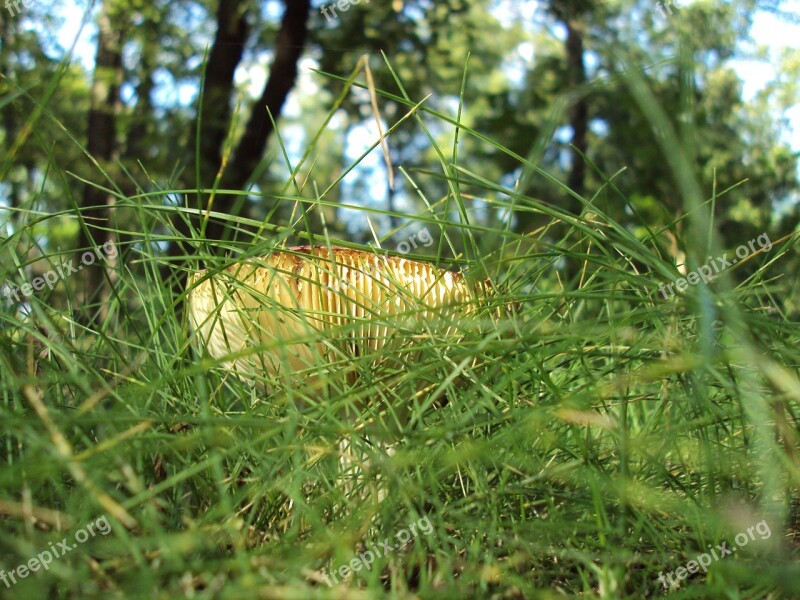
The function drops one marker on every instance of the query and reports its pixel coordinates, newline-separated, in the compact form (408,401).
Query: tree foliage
(169,105)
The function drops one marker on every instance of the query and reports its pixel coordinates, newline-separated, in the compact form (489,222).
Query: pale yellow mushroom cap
(319,309)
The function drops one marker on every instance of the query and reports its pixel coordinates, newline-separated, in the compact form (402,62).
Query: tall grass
(597,437)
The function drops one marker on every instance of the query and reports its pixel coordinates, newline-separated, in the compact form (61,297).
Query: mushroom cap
(316,309)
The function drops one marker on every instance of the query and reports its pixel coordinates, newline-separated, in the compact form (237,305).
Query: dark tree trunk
(225,55)
(283,74)
(96,205)
(211,129)
(215,114)
(574,14)
(8,44)
(250,149)
(215,117)
(136,147)
(579,111)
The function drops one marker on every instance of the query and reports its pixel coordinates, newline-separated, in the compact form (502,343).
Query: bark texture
(579,111)
(225,55)
(96,206)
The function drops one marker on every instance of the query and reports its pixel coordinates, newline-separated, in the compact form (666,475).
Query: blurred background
(120,88)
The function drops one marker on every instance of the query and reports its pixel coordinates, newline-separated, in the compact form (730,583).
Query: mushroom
(314,310)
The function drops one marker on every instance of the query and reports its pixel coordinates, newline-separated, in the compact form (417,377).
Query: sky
(775,34)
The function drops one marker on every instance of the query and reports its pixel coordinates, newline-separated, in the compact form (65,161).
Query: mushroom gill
(314,309)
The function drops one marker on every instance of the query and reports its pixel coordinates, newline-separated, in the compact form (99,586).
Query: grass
(598,437)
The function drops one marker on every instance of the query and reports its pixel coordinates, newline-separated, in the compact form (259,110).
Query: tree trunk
(8,44)
(215,117)
(283,74)
(250,149)
(143,117)
(96,205)
(579,111)
(209,132)
(215,113)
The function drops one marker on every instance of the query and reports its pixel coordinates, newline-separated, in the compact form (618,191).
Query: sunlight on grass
(593,438)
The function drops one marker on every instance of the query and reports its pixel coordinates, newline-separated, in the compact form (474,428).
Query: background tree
(546,83)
